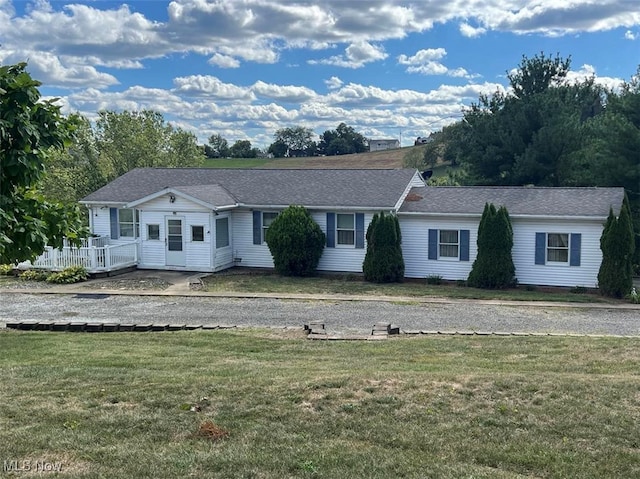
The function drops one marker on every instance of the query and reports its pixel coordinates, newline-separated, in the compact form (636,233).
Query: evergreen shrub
(383,262)
(296,242)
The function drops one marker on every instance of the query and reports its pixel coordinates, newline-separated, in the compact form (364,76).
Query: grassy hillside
(369,160)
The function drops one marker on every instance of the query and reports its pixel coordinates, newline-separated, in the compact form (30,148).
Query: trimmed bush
(296,242)
(34,275)
(6,269)
(383,262)
(615,277)
(73,274)
(493,267)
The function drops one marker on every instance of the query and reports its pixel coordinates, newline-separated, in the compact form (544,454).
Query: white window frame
(149,238)
(135,214)
(228,235)
(549,248)
(352,230)
(441,244)
(192,235)
(265,227)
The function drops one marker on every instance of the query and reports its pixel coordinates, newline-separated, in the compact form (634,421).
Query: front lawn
(349,284)
(119,406)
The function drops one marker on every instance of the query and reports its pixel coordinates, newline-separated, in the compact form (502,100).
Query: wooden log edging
(314,330)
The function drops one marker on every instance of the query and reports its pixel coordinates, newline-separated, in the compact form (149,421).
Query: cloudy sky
(244,68)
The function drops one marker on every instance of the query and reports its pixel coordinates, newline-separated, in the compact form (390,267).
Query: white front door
(175,253)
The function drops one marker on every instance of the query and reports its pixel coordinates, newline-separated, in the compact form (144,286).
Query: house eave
(321,207)
(516,216)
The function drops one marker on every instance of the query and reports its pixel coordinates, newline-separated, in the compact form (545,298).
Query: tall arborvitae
(617,244)
(383,262)
(493,266)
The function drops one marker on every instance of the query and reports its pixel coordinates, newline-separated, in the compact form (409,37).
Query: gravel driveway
(340,317)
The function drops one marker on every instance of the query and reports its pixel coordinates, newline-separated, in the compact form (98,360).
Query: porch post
(107,258)
(92,258)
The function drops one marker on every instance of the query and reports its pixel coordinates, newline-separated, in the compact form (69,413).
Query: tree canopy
(293,141)
(342,141)
(29,128)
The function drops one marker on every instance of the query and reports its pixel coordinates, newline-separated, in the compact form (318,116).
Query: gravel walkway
(340,317)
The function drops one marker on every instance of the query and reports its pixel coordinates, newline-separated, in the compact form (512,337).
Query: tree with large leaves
(128,140)
(29,128)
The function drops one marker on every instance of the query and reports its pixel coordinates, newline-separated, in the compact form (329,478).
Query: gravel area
(340,317)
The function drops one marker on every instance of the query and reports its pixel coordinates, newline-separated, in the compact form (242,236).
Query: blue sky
(245,68)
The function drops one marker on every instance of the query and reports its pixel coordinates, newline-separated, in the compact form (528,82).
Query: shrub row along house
(213,219)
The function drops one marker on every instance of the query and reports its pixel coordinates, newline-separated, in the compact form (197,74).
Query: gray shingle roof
(212,194)
(320,188)
(535,201)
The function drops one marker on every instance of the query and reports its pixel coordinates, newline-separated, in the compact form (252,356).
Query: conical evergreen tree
(617,243)
(493,266)
(383,262)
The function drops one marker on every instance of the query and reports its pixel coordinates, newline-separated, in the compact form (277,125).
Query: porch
(95,254)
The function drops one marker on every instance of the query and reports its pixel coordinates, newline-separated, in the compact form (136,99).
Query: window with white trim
(557,247)
(129,223)
(267,219)
(448,244)
(345,229)
(197,233)
(222,232)
(153,232)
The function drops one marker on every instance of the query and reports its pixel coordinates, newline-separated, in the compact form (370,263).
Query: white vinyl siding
(556,273)
(415,246)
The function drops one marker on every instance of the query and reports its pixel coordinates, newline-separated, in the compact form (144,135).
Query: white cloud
(210,86)
(588,71)
(356,56)
(284,93)
(471,32)
(629,35)
(333,83)
(223,61)
(426,62)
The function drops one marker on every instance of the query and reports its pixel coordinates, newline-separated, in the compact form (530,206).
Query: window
(222,232)
(345,229)
(448,244)
(558,248)
(128,223)
(153,232)
(197,233)
(267,219)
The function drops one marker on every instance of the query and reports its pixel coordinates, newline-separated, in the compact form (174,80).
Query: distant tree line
(297,141)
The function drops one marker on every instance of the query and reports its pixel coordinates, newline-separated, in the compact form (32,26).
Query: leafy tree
(530,135)
(298,141)
(217,147)
(296,242)
(341,141)
(73,172)
(242,149)
(615,276)
(383,262)
(493,267)
(129,140)
(29,129)
(414,158)
(278,149)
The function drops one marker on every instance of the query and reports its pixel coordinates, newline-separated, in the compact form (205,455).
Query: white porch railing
(94,258)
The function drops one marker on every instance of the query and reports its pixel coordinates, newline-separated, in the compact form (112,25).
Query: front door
(175,253)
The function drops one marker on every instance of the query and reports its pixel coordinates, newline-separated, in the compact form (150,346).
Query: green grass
(116,405)
(235,162)
(259,282)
